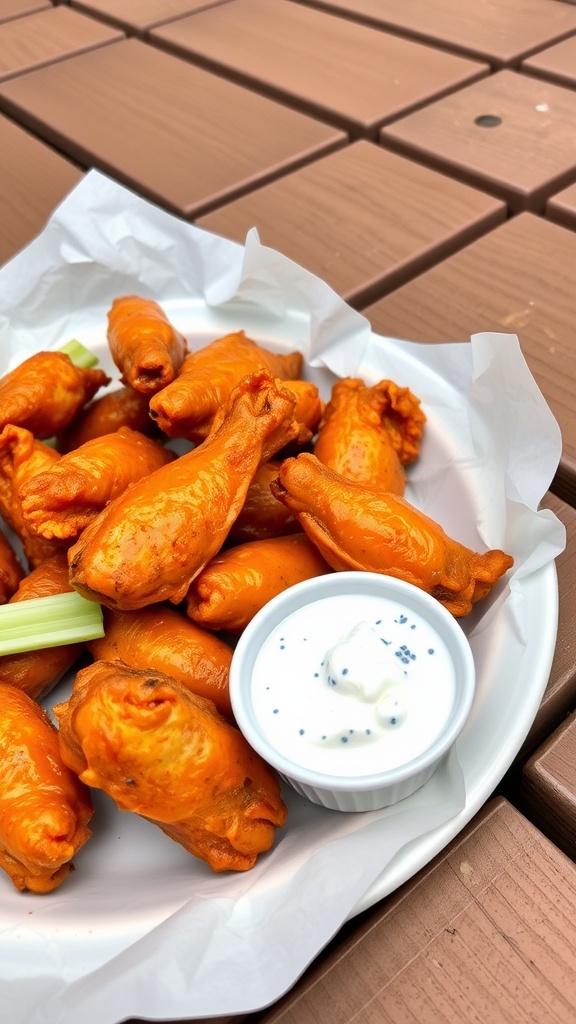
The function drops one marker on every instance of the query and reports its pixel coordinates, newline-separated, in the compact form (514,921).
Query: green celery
(49,622)
(79,354)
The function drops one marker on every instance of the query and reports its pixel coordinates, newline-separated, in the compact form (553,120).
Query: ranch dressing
(353,685)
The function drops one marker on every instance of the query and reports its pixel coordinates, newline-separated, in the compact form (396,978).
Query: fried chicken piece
(150,543)
(22,457)
(11,571)
(357,527)
(60,502)
(187,407)
(368,433)
(144,345)
(262,515)
(161,639)
(36,672)
(238,582)
(46,391)
(123,407)
(166,754)
(44,808)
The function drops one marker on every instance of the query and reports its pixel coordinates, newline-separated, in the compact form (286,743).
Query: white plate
(129,877)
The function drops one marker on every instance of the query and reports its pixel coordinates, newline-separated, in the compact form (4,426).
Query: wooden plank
(510,134)
(397,219)
(138,114)
(487,932)
(39,39)
(352,75)
(33,180)
(502,36)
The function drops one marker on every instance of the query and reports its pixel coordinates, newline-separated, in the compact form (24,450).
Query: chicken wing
(44,808)
(36,672)
(166,754)
(186,408)
(11,571)
(357,527)
(368,433)
(144,345)
(22,457)
(239,581)
(161,639)
(123,407)
(46,391)
(262,515)
(60,502)
(150,543)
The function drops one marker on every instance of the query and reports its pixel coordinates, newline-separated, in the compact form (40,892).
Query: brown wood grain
(140,15)
(516,279)
(555,62)
(363,219)
(562,207)
(175,133)
(487,932)
(549,786)
(47,36)
(33,180)
(304,56)
(502,35)
(525,158)
(17,8)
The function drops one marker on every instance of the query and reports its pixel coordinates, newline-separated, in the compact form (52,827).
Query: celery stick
(48,622)
(79,354)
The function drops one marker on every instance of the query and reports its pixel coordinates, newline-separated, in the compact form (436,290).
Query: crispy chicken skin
(46,391)
(262,515)
(123,407)
(150,543)
(44,808)
(22,457)
(368,433)
(239,581)
(162,639)
(187,407)
(60,502)
(36,672)
(166,754)
(144,345)
(11,571)
(357,527)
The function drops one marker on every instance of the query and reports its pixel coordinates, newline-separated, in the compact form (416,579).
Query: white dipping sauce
(353,685)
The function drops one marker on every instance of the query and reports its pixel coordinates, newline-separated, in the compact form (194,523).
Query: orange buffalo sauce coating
(358,527)
(368,433)
(46,391)
(239,581)
(262,515)
(123,407)
(150,543)
(144,345)
(60,502)
(187,407)
(22,457)
(166,754)
(44,808)
(163,639)
(11,571)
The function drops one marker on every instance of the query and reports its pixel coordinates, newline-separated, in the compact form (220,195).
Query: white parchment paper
(144,930)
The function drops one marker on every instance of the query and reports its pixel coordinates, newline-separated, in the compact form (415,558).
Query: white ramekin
(380,788)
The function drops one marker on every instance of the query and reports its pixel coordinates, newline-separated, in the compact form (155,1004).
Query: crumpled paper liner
(236,943)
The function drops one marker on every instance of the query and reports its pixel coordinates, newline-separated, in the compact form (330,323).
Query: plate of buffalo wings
(200,464)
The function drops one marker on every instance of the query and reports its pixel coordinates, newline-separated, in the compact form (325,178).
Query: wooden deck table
(345,134)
